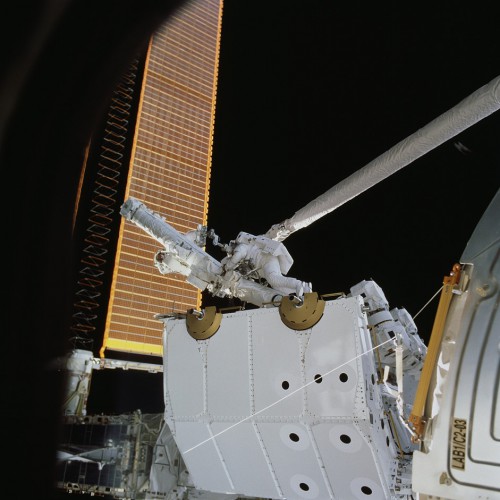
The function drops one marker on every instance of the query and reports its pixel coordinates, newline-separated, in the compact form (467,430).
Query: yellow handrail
(417,417)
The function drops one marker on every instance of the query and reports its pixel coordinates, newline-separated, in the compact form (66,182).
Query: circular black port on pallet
(345,438)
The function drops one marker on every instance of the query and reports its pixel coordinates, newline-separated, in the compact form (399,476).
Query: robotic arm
(180,254)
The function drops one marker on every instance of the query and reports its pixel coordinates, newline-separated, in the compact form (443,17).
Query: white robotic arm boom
(475,107)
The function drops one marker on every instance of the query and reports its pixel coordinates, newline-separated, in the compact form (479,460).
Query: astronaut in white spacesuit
(265,259)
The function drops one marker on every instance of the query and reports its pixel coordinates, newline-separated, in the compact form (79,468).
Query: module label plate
(458,443)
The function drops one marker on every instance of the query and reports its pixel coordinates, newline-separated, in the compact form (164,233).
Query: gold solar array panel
(169,172)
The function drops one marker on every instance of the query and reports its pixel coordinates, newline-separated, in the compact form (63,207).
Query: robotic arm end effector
(129,208)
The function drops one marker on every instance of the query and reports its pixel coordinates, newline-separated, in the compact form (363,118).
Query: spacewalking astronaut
(265,259)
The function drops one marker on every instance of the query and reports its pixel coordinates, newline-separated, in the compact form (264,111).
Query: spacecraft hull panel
(294,409)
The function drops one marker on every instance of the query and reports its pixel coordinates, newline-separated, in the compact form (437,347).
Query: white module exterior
(251,416)
(460,456)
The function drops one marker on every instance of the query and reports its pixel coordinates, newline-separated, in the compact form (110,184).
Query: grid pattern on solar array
(170,173)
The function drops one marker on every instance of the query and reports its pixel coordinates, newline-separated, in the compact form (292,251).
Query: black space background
(308,93)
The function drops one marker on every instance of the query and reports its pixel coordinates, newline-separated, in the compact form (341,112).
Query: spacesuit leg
(272,273)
